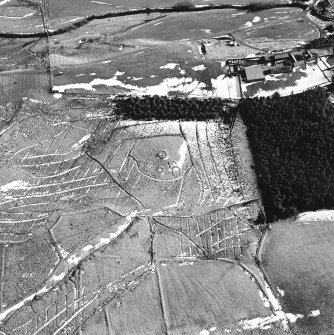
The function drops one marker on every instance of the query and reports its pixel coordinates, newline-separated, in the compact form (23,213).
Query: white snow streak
(14,185)
(199,67)
(314,313)
(81,141)
(170,66)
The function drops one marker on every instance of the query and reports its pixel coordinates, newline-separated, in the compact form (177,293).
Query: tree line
(175,108)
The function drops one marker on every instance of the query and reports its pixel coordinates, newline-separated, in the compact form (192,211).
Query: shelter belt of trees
(165,108)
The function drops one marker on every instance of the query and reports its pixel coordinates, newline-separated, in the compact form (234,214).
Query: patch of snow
(81,141)
(92,74)
(182,153)
(14,185)
(103,241)
(170,66)
(74,259)
(190,51)
(322,215)
(204,332)
(87,248)
(135,79)
(80,75)
(263,323)
(76,19)
(186,263)
(186,85)
(237,14)
(59,277)
(212,329)
(102,3)
(248,24)
(199,67)
(118,73)
(314,77)
(266,302)
(57,95)
(36,101)
(183,72)
(17,17)
(156,24)
(226,87)
(314,313)
(294,317)
(4,2)
(281,292)
(106,62)
(62,251)
(152,76)
(256,19)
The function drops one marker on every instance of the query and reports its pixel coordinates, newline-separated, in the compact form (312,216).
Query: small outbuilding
(254,73)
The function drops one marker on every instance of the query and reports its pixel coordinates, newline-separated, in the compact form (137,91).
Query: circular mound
(160,169)
(162,154)
(176,171)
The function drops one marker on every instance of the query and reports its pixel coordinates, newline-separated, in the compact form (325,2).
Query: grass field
(20,18)
(297,257)
(96,186)
(202,295)
(160,54)
(15,86)
(64,8)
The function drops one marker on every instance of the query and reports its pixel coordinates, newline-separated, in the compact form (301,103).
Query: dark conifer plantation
(292,141)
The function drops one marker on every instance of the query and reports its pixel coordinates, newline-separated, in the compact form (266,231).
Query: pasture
(15,86)
(71,8)
(297,258)
(161,54)
(20,18)
(207,295)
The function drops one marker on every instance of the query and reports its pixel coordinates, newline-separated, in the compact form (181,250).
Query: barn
(254,73)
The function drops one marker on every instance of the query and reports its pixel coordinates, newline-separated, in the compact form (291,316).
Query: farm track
(84,21)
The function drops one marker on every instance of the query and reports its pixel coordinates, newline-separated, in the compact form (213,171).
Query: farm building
(254,73)
(297,59)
